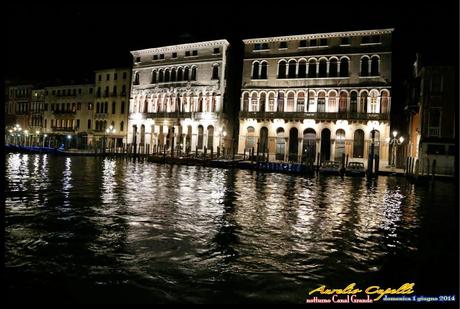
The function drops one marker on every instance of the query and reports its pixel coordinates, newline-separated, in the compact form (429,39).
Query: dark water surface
(103,230)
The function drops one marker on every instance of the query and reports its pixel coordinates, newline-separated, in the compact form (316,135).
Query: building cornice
(318,36)
(179,47)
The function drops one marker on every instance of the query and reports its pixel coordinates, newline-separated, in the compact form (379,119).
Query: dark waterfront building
(431,118)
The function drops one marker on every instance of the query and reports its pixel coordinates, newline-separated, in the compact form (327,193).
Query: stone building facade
(178,98)
(305,97)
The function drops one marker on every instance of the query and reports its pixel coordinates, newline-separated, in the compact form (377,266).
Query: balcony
(64,113)
(165,115)
(434,131)
(64,129)
(316,116)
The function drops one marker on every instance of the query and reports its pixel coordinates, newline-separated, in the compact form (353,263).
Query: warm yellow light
(395,133)
(401,139)
(388,139)
(37,132)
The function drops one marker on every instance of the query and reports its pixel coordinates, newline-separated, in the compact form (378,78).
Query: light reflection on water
(178,233)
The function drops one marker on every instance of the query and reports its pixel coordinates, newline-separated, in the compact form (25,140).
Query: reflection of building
(111,100)
(305,95)
(178,97)
(430,108)
(68,111)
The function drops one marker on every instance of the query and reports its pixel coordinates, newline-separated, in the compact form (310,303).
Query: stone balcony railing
(315,115)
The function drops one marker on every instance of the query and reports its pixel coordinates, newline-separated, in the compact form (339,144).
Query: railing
(64,129)
(314,115)
(169,115)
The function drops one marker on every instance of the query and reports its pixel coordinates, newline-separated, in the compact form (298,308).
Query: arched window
(136,78)
(250,138)
(358,144)
(154,77)
(384,103)
(186,74)
(301,102)
(200,104)
(282,69)
(353,102)
(321,102)
(160,76)
(333,67)
(255,70)
(311,101)
(343,102)
(122,126)
(309,145)
(312,68)
(363,103)
(375,66)
(290,102)
(200,137)
(271,102)
(325,149)
(322,68)
(364,66)
(293,144)
(292,69)
(339,144)
(302,69)
(263,71)
(280,102)
(280,144)
(262,102)
(376,142)
(173,74)
(344,67)
(373,102)
(193,73)
(215,71)
(213,103)
(180,74)
(263,140)
(332,101)
(246,102)
(254,102)
(167,76)
(210,137)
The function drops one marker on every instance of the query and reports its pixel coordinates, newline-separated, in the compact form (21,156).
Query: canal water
(85,229)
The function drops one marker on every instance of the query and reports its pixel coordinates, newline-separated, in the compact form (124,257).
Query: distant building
(36,110)
(111,104)
(18,106)
(304,95)
(68,111)
(178,98)
(430,111)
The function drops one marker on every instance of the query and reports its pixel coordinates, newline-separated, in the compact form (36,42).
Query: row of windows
(176,75)
(188,53)
(114,92)
(101,125)
(312,102)
(67,92)
(373,39)
(107,76)
(103,108)
(173,103)
(332,67)
(309,142)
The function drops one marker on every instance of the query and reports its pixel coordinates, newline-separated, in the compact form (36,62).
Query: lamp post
(44,138)
(17,129)
(224,134)
(38,137)
(26,137)
(11,135)
(394,142)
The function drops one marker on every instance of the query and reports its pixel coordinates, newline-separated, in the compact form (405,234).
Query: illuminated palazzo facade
(178,98)
(316,95)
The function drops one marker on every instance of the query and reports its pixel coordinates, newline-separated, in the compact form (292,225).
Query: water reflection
(178,233)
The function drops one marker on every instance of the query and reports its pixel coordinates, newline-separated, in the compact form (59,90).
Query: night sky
(46,43)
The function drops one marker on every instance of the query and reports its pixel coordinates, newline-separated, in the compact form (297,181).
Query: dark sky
(69,42)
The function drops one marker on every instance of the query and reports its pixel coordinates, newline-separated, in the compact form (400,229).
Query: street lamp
(394,142)
(17,128)
(26,137)
(108,131)
(44,138)
(38,137)
(69,137)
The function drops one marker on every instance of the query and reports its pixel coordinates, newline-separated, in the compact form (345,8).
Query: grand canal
(103,230)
